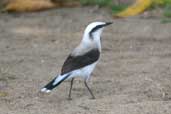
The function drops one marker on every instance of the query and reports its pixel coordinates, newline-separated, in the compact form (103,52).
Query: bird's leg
(69,96)
(85,82)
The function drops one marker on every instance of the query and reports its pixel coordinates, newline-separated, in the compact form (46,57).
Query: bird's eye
(94,30)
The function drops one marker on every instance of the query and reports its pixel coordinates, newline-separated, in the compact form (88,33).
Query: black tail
(52,84)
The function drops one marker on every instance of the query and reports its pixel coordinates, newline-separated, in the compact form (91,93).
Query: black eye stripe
(95,29)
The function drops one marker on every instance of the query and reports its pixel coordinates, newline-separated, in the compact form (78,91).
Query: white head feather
(91,37)
(96,35)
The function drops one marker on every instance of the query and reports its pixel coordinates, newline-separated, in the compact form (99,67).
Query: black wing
(76,62)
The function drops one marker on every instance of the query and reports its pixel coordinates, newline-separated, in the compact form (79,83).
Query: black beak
(107,23)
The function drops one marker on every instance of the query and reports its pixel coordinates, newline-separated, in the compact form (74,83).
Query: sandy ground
(132,77)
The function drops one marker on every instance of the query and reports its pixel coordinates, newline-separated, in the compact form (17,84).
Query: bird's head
(93,30)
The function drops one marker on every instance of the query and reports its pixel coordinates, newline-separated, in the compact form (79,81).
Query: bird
(82,60)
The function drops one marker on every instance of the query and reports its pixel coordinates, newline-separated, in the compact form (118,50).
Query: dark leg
(69,96)
(93,97)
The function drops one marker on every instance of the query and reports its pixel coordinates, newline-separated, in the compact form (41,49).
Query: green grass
(105,3)
(166,20)
(167,2)
(167,11)
(166,5)
(118,8)
(97,2)
(166,14)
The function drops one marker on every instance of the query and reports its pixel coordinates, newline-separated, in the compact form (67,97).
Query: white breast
(84,72)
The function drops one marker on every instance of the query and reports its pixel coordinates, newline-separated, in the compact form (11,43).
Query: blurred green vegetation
(167,8)
(164,4)
(118,8)
(167,14)
(106,3)
(167,11)
(167,2)
(119,5)
(101,3)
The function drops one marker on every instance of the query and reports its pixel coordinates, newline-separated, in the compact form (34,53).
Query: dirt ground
(132,77)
